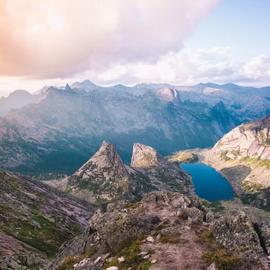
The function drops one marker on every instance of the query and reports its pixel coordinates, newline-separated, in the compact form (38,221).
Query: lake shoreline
(208,183)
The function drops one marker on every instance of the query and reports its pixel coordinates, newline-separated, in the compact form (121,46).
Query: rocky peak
(144,156)
(167,94)
(105,158)
(86,85)
(103,178)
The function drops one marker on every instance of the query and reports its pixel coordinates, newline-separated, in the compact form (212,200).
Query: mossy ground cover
(223,259)
(257,162)
(69,261)
(35,230)
(132,256)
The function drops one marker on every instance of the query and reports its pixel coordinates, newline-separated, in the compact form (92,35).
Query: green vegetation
(252,187)
(217,206)
(185,156)
(267,141)
(38,232)
(207,236)
(171,239)
(236,153)
(223,156)
(247,198)
(214,206)
(257,162)
(69,261)
(222,259)
(132,256)
(35,230)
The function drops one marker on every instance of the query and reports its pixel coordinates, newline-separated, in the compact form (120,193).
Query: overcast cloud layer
(49,39)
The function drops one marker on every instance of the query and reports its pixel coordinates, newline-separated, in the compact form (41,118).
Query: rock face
(105,178)
(165,230)
(164,175)
(144,156)
(105,160)
(168,94)
(35,220)
(250,140)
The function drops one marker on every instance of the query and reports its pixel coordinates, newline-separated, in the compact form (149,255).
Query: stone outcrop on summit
(105,178)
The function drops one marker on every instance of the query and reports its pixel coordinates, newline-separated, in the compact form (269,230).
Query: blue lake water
(208,183)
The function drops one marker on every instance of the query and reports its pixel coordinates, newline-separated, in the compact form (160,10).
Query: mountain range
(56,129)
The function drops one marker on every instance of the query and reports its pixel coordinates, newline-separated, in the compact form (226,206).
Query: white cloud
(258,68)
(186,67)
(60,38)
(191,66)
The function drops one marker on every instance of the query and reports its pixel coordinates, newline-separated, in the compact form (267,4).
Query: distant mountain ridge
(67,124)
(16,100)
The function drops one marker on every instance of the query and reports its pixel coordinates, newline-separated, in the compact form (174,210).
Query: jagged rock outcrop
(163,174)
(165,230)
(145,156)
(105,160)
(236,231)
(250,140)
(35,220)
(105,178)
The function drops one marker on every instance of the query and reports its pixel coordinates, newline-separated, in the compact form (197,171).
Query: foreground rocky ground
(165,231)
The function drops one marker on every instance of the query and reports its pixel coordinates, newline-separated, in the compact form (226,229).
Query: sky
(182,42)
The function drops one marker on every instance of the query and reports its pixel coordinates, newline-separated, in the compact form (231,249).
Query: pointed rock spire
(106,159)
(103,178)
(144,156)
